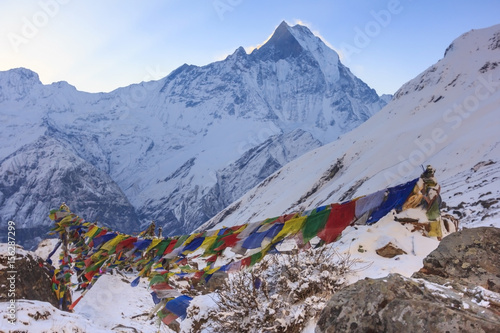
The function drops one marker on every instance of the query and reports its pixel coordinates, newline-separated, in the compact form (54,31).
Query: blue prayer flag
(103,239)
(142,244)
(135,282)
(179,305)
(156,300)
(395,199)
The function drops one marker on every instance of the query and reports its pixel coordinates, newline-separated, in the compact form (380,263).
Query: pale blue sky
(102,45)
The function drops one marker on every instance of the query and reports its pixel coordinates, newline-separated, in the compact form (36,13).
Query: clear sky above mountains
(103,45)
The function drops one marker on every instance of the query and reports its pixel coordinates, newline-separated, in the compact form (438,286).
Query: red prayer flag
(169,318)
(161,286)
(102,233)
(88,262)
(170,246)
(198,275)
(246,262)
(229,241)
(126,243)
(75,303)
(212,258)
(89,275)
(340,217)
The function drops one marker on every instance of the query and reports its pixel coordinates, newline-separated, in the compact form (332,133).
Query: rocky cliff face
(27,277)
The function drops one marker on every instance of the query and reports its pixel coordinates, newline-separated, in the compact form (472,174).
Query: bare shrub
(281,293)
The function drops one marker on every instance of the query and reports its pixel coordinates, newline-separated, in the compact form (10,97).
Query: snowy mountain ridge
(165,143)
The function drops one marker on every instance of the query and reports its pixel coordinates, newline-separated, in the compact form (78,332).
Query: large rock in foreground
(398,304)
(455,291)
(468,257)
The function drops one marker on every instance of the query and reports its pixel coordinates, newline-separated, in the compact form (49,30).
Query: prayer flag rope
(89,251)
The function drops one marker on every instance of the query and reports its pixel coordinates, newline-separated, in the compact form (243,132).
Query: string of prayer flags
(90,251)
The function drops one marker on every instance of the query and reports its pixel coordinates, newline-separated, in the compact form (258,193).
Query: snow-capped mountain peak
(281,45)
(22,75)
(299,41)
(17,83)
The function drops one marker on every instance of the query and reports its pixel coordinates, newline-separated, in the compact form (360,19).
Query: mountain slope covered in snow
(169,145)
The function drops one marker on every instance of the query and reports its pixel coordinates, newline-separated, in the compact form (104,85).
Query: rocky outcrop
(32,276)
(468,257)
(398,304)
(456,291)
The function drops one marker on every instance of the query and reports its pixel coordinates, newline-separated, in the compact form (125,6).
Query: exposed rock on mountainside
(453,300)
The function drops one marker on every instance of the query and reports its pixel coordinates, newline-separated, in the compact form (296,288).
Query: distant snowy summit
(177,150)
(293,78)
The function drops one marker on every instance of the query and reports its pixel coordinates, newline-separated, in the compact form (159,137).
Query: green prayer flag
(315,223)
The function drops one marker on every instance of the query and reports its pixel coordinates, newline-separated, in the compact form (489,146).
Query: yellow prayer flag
(208,241)
(291,227)
(92,232)
(65,220)
(154,242)
(435,229)
(213,270)
(96,256)
(109,245)
(241,229)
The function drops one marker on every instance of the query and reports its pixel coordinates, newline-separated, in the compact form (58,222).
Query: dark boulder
(398,304)
(32,276)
